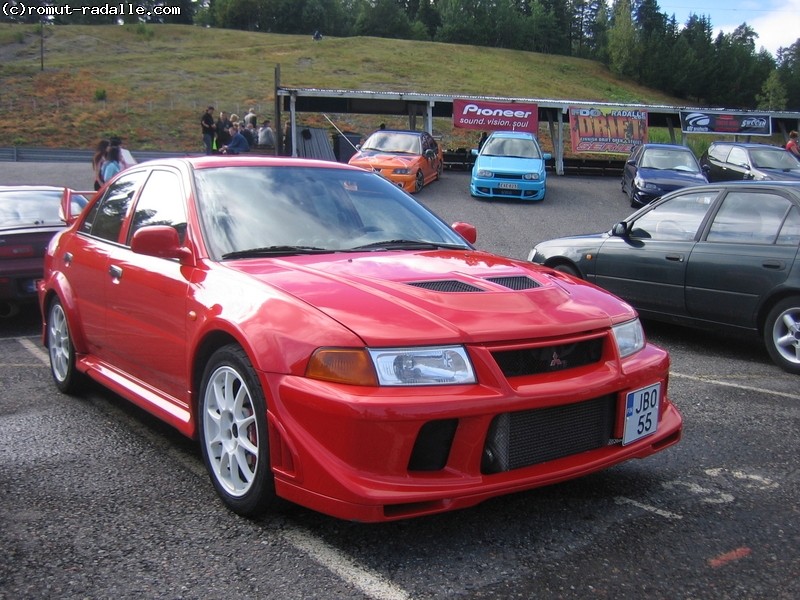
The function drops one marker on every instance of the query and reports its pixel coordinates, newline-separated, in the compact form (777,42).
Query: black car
(733,161)
(653,170)
(718,256)
(29,217)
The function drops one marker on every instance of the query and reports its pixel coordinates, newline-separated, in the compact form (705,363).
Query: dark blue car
(653,170)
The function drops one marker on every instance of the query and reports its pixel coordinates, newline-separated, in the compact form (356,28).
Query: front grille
(525,438)
(546,359)
(515,176)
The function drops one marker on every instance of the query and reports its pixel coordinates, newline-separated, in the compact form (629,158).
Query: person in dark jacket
(238,142)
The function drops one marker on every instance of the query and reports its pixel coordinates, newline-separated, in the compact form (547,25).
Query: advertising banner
(725,123)
(607,130)
(496,116)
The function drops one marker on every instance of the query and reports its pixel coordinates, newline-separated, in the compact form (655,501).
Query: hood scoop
(514,282)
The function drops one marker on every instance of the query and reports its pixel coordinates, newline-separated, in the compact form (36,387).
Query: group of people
(109,159)
(230,135)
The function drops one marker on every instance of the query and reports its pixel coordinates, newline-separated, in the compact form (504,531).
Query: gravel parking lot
(99,500)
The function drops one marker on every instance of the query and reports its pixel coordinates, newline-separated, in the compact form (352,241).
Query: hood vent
(517,282)
(514,282)
(446,286)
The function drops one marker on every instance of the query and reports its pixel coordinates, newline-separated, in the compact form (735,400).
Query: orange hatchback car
(409,159)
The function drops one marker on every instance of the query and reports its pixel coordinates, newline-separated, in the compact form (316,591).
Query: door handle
(674,257)
(115,271)
(778,265)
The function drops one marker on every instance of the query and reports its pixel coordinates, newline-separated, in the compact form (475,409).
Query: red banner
(496,116)
(607,130)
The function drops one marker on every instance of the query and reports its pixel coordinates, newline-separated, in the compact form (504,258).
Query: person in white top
(126,158)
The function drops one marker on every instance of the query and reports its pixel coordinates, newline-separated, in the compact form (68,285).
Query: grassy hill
(150,83)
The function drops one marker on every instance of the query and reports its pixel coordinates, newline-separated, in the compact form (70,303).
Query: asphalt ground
(99,500)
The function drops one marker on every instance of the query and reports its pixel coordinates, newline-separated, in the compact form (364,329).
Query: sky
(777,22)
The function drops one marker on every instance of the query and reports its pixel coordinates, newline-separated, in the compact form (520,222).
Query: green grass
(157,79)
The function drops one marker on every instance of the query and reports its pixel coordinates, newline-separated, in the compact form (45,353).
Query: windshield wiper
(406,245)
(274,250)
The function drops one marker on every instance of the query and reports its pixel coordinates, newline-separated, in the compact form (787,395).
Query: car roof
(665,147)
(30,188)
(793,186)
(747,145)
(513,134)
(406,131)
(243,160)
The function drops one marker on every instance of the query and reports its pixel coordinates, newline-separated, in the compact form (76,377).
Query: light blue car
(510,164)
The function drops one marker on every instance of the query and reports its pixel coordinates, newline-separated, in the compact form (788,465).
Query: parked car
(331,342)
(29,217)
(509,164)
(653,170)
(733,161)
(410,159)
(720,256)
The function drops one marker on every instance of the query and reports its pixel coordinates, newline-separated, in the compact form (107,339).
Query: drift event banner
(496,116)
(607,130)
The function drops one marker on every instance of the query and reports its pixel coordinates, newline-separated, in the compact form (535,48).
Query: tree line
(633,38)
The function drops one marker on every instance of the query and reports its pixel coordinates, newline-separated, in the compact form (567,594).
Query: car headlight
(629,337)
(401,171)
(484,173)
(644,185)
(531,176)
(434,365)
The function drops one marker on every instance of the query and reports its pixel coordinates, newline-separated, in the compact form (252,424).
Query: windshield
(514,147)
(257,211)
(33,207)
(774,159)
(394,142)
(670,160)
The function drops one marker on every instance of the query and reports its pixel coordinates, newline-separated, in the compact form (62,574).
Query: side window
(749,218)
(678,219)
(790,232)
(161,203)
(738,157)
(719,151)
(106,217)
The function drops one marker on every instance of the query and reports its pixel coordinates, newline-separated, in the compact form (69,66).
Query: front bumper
(373,455)
(498,188)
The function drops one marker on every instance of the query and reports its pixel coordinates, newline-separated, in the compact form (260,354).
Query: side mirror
(474,152)
(620,229)
(466,231)
(631,162)
(547,156)
(161,241)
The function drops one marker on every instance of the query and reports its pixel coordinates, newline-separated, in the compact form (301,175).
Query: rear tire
(782,334)
(232,422)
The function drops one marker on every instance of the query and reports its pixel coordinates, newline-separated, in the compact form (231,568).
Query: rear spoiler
(72,203)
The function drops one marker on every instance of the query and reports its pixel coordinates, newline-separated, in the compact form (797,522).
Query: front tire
(62,350)
(568,269)
(782,334)
(232,423)
(419,181)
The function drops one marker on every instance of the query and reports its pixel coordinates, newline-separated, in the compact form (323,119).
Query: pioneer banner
(607,130)
(496,116)
(725,123)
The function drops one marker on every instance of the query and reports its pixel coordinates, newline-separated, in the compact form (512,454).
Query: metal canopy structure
(429,106)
